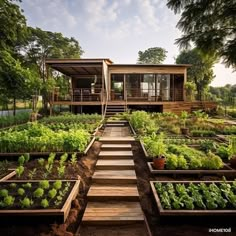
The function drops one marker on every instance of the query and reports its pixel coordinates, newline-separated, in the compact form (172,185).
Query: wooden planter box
(226,170)
(177,213)
(60,214)
(9,175)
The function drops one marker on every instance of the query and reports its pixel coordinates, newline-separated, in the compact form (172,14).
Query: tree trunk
(14,106)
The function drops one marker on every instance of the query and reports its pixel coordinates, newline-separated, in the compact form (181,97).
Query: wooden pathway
(113,197)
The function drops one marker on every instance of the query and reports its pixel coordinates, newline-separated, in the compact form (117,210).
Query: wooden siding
(146,70)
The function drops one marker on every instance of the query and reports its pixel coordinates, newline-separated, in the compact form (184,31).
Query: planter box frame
(190,172)
(164,212)
(62,213)
(9,175)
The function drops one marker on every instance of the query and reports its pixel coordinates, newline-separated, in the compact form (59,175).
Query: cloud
(51,15)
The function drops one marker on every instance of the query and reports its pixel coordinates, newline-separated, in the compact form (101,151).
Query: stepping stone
(113,147)
(109,192)
(119,140)
(115,165)
(115,154)
(112,213)
(114,176)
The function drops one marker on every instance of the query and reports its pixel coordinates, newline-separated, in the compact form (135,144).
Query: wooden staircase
(113,109)
(113,197)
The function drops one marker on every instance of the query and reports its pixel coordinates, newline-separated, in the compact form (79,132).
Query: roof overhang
(151,65)
(78,67)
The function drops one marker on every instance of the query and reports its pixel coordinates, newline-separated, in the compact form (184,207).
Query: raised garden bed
(43,154)
(198,204)
(223,171)
(30,202)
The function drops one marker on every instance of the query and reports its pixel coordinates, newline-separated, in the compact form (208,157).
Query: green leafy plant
(73,159)
(21,160)
(13,185)
(52,193)
(184,116)
(27,185)
(38,193)
(3,192)
(41,162)
(171,162)
(19,171)
(44,203)
(32,173)
(44,184)
(157,148)
(57,184)
(232,146)
(8,201)
(21,191)
(61,171)
(26,202)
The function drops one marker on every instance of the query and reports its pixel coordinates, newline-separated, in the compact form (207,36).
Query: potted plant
(184,117)
(232,151)
(157,150)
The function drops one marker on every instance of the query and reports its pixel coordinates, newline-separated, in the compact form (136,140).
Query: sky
(115,29)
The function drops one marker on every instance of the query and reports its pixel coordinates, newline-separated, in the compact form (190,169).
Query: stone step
(112,213)
(114,177)
(116,147)
(119,140)
(101,192)
(115,165)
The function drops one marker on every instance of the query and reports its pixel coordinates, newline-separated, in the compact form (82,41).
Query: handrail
(105,110)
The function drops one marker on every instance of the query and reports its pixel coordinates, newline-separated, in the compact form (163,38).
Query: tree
(13,29)
(200,72)
(13,34)
(210,24)
(45,44)
(152,56)
(12,77)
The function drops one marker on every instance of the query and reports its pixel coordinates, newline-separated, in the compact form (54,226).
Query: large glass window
(163,86)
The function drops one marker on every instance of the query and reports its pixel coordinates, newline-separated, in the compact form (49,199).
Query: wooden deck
(167,106)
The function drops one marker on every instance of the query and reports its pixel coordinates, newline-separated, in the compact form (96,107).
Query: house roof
(81,60)
(93,66)
(150,65)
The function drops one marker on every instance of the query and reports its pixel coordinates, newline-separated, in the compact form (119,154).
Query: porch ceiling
(77,68)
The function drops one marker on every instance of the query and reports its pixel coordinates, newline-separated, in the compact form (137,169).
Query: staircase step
(112,213)
(115,165)
(115,154)
(115,125)
(101,192)
(114,176)
(113,147)
(118,140)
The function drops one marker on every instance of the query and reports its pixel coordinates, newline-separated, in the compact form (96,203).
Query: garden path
(113,198)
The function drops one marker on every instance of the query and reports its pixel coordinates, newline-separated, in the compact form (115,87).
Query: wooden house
(99,85)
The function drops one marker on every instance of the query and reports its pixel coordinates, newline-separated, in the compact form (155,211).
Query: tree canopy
(210,24)
(201,70)
(154,55)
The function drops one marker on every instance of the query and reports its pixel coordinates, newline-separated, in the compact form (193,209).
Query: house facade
(96,85)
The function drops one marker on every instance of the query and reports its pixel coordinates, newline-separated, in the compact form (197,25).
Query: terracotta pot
(233,162)
(185,131)
(159,163)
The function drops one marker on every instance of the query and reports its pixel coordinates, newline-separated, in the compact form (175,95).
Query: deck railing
(134,94)
(148,95)
(79,95)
